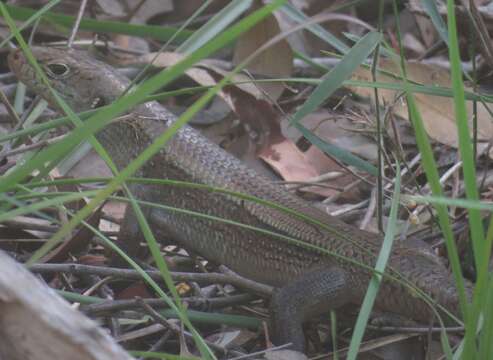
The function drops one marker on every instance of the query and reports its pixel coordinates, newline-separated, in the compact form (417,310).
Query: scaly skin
(310,281)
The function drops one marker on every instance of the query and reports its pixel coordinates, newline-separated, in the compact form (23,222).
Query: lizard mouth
(97,103)
(15,61)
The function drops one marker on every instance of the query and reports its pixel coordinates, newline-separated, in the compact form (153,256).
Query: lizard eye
(57,70)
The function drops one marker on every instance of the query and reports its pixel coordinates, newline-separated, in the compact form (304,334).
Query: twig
(193,302)
(209,278)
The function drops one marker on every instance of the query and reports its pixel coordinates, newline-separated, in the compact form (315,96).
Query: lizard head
(81,81)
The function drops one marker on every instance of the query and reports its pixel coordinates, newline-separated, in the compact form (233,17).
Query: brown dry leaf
(136,289)
(14,239)
(293,165)
(135,12)
(288,161)
(437,112)
(275,62)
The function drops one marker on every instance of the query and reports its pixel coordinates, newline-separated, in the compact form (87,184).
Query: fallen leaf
(136,289)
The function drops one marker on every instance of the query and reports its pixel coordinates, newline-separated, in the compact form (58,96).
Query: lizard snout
(16,62)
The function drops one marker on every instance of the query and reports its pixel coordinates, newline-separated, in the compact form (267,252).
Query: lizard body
(310,281)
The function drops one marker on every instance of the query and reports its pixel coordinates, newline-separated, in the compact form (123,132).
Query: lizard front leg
(311,294)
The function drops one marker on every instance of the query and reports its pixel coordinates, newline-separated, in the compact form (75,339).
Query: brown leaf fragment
(287,160)
(136,289)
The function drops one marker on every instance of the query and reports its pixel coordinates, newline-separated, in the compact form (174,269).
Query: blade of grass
(430,7)
(431,170)
(62,199)
(104,26)
(485,344)
(160,355)
(342,155)
(331,82)
(315,29)
(465,145)
(214,26)
(35,16)
(376,279)
(481,248)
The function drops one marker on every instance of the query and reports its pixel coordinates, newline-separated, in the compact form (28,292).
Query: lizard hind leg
(311,294)
(129,237)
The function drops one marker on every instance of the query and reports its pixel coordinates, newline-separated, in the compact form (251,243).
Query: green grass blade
(465,145)
(35,16)
(315,29)
(374,285)
(330,83)
(337,152)
(485,343)
(342,71)
(104,26)
(431,10)
(481,248)
(31,208)
(214,26)
(431,170)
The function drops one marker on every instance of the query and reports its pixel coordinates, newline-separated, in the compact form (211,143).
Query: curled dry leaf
(437,112)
